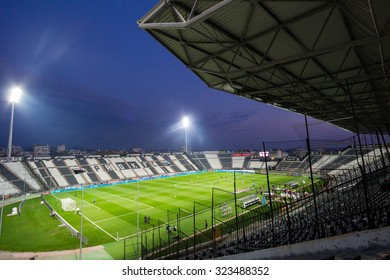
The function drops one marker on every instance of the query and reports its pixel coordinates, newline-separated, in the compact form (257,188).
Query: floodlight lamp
(16,93)
(186,122)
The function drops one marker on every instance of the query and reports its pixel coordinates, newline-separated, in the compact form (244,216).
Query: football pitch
(116,212)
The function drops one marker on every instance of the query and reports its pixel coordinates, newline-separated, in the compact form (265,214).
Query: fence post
(194,220)
(270,199)
(288,222)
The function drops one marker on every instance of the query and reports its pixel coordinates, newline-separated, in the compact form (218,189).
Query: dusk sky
(93,79)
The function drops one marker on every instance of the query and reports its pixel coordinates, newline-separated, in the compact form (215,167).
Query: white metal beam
(145,24)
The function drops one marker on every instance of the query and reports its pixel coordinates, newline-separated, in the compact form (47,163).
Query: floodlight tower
(16,93)
(186,124)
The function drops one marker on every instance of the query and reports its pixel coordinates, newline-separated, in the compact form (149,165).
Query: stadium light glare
(16,93)
(186,124)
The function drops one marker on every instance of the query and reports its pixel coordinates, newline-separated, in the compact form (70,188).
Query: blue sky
(93,79)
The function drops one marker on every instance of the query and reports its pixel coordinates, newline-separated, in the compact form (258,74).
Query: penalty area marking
(99,227)
(84,201)
(80,200)
(131,199)
(126,214)
(184,210)
(88,219)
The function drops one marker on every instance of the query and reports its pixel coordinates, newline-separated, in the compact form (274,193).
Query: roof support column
(380,149)
(317,225)
(385,144)
(362,166)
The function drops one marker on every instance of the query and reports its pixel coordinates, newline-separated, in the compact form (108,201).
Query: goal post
(68,204)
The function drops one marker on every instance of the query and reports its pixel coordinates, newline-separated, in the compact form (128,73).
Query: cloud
(226,119)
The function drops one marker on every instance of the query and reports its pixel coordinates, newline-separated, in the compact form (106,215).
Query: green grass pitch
(110,213)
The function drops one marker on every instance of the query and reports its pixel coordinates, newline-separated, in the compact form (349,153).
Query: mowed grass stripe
(182,189)
(119,203)
(115,209)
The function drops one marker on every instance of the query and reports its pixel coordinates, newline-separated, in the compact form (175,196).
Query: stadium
(316,199)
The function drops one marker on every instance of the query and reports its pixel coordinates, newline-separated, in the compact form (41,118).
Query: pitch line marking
(100,228)
(93,222)
(113,217)
(186,210)
(93,205)
(130,199)
(163,225)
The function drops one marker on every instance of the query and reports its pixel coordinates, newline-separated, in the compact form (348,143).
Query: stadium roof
(329,59)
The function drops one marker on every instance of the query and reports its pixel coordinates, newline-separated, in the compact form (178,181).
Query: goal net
(68,204)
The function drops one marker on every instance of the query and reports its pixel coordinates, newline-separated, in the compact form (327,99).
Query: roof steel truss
(328,59)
